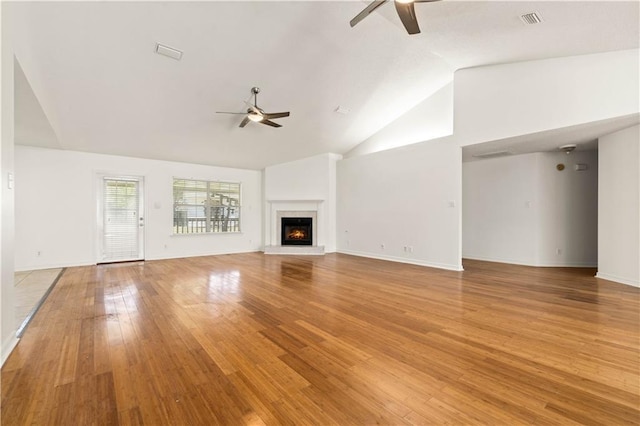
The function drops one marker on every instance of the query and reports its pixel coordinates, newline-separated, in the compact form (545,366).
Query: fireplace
(296,231)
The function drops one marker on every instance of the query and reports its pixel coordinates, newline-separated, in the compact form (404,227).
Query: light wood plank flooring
(31,287)
(334,339)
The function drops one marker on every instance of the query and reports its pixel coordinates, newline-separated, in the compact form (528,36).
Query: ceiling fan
(257,114)
(405,10)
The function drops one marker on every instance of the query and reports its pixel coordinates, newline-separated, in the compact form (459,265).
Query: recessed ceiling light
(531,18)
(170,52)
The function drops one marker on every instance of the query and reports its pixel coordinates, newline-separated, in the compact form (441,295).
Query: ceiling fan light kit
(254,117)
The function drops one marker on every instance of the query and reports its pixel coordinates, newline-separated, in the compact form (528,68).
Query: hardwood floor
(335,339)
(31,288)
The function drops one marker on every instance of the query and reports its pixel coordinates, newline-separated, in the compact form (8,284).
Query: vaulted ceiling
(89,80)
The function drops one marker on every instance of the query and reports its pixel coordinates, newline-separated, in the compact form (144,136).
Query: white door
(120,219)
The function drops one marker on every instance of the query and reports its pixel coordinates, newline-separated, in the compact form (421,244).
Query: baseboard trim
(497,260)
(538,265)
(7,347)
(52,266)
(185,256)
(567,265)
(152,257)
(418,262)
(626,281)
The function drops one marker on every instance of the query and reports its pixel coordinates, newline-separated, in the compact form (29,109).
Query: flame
(297,234)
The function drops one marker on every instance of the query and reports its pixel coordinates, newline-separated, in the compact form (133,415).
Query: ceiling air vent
(531,18)
(493,154)
(170,52)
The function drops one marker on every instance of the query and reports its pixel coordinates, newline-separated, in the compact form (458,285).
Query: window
(201,206)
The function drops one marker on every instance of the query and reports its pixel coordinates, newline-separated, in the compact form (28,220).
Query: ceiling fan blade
(270,115)
(269,123)
(367,10)
(244,122)
(225,112)
(407,14)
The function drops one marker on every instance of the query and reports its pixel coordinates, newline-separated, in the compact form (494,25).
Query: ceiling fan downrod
(255,91)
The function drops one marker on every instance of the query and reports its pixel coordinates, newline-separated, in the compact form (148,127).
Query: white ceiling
(584,136)
(92,73)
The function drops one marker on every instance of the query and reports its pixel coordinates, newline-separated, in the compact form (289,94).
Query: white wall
(8,326)
(496,102)
(500,209)
(619,207)
(293,184)
(56,207)
(430,119)
(404,197)
(522,210)
(568,211)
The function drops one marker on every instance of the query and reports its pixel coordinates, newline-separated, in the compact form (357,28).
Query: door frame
(99,234)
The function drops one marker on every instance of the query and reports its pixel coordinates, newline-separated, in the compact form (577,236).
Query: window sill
(206,233)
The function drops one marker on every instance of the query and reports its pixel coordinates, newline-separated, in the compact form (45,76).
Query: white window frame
(220,216)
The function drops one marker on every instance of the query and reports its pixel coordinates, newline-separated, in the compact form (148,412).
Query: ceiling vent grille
(170,52)
(531,18)
(493,154)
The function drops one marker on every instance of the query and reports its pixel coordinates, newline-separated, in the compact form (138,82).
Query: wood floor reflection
(335,339)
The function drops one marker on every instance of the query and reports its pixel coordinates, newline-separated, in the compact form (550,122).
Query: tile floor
(30,287)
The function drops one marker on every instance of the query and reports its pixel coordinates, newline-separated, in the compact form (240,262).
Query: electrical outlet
(39,253)
(382,246)
(410,249)
(558,251)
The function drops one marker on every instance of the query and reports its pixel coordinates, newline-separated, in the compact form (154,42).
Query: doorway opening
(120,219)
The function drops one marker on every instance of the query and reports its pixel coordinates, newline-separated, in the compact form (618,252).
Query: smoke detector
(567,148)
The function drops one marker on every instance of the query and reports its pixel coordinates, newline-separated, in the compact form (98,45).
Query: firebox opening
(297,231)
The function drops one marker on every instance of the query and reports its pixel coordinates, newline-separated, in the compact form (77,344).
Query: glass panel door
(122,220)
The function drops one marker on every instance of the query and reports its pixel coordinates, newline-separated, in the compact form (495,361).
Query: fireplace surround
(296,209)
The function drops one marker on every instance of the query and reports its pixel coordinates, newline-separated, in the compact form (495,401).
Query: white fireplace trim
(295,208)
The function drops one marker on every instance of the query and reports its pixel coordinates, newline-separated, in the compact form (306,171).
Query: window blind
(121,216)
